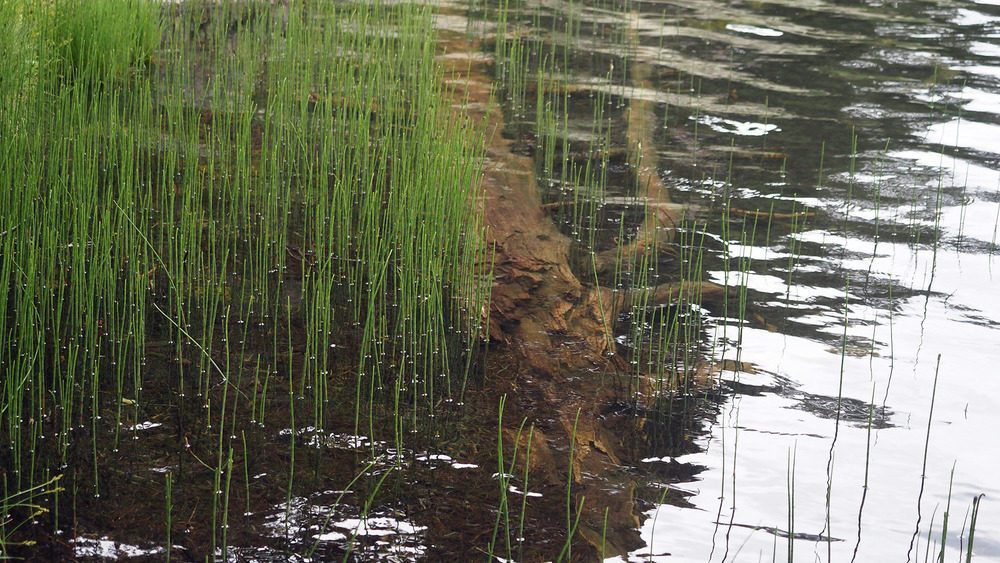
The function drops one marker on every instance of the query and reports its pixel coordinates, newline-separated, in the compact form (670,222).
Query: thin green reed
(292,437)
(503,479)
(166,187)
(976,501)
(947,513)
(747,242)
(923,469)
(169,512)
(513,62)
(836,427)
(29,500)
(571,522)
(868,459)
(791,502)
(225,505)
(524,492)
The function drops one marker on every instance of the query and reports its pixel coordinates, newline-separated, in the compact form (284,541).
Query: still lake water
(867,409)
(866,405)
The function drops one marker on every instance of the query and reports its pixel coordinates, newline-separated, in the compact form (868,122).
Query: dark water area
(841,161)
(838,164)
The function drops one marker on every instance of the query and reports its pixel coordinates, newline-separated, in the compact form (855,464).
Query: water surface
(864,410)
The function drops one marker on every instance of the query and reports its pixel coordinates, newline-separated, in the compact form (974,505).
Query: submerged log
(555,327)
(661,217)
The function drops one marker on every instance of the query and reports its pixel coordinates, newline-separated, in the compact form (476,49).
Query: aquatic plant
(224,240)
(100,40)
(18,508)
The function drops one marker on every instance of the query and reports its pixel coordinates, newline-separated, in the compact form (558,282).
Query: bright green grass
(270,196)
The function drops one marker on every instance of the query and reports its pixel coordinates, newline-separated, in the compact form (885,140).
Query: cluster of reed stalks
(225,218)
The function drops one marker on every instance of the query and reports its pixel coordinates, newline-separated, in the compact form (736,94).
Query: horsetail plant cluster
(213,215)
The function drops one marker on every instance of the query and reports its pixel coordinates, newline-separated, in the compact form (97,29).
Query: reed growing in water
(220,220)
